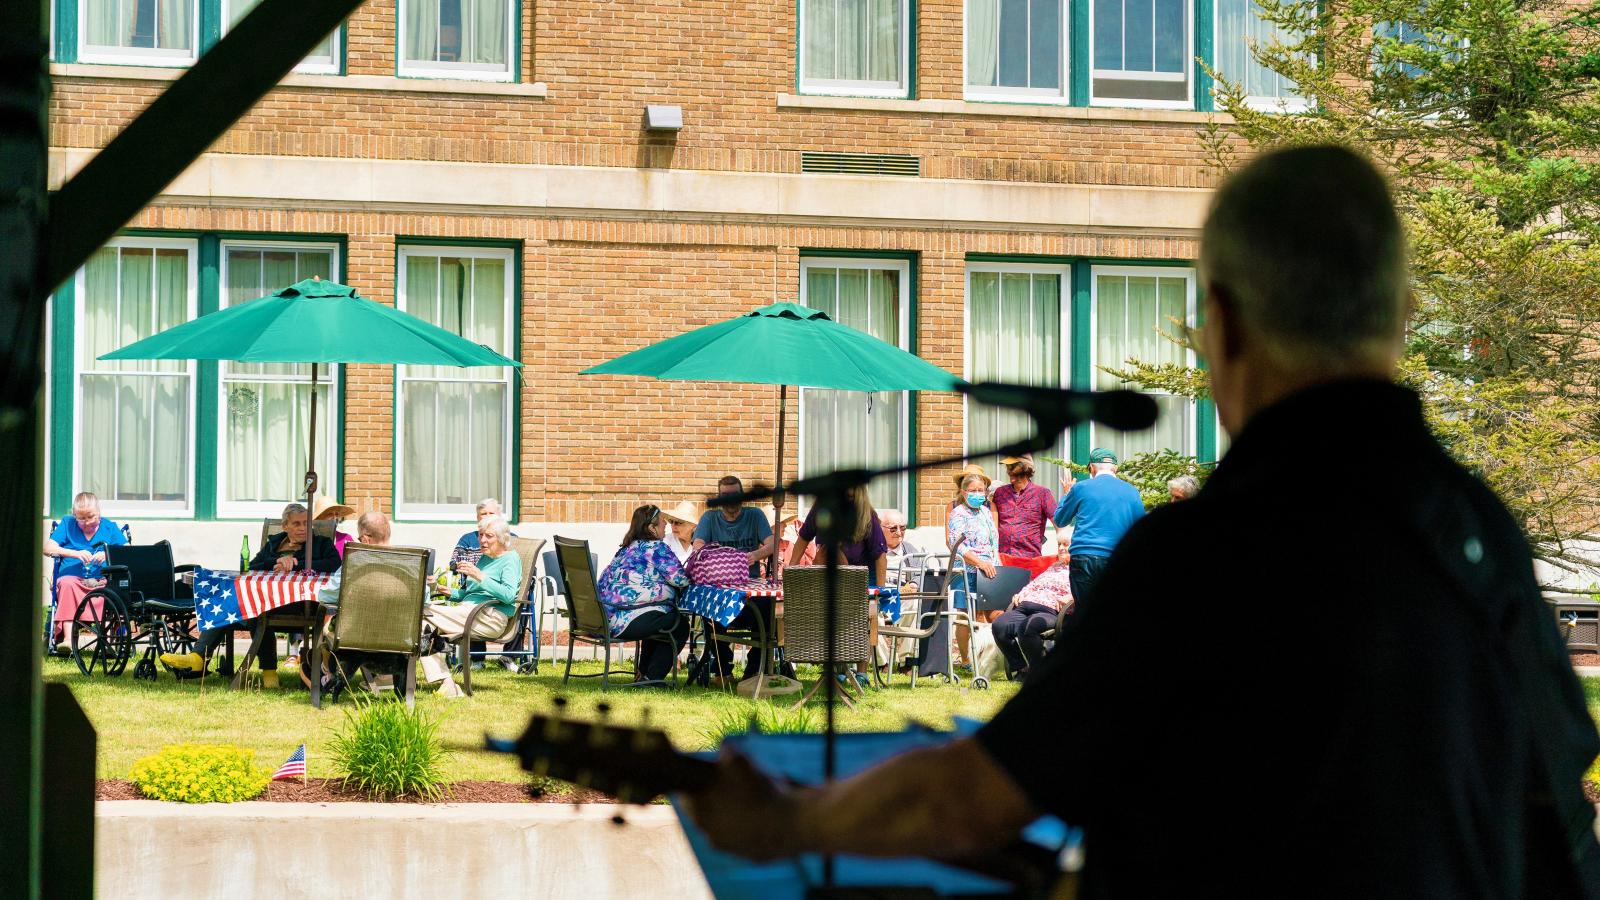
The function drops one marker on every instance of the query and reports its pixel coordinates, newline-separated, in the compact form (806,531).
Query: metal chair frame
(527,549)
(141,603)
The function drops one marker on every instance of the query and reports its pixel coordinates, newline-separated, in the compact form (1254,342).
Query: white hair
(86,500)
(884,515)
(498,525)
(487,502)
(294,509)
(1185,486)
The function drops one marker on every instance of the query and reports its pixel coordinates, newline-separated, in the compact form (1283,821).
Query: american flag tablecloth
(723,605)
(223,598)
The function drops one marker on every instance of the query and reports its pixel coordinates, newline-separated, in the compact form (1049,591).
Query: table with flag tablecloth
(723,604)
(222,599)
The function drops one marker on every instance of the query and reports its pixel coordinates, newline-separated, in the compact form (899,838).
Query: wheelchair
(55,579)
(142,606)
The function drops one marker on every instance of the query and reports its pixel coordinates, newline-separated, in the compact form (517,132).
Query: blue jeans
(963,584)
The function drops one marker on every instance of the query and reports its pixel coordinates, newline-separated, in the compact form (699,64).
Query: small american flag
(293,767)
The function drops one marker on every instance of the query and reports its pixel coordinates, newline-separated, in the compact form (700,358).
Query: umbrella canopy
(313,321)
(783,344)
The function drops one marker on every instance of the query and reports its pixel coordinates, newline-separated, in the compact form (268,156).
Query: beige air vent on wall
(860,163)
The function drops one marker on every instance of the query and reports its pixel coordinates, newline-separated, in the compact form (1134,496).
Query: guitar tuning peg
(644,717)
(618,820)
(559,702)
(603,710)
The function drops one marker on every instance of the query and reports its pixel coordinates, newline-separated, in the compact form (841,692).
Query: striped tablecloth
(223,598)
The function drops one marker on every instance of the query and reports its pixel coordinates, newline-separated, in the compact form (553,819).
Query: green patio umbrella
(783,344)
(313,321)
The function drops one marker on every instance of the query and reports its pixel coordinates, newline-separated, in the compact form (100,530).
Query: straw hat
(789,514)
(685,512)
(973,469)
(325,507)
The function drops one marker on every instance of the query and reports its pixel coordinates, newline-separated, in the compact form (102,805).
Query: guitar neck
(634,765)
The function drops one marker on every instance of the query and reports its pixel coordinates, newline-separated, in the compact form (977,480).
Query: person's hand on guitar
(744,812)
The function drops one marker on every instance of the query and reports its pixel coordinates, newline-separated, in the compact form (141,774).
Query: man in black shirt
(1377,702)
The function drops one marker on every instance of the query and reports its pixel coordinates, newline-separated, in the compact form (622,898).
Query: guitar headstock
(634,764)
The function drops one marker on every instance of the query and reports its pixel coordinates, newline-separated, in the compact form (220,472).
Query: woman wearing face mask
(971,521)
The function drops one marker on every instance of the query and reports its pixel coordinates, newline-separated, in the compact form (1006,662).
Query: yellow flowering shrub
(200,773)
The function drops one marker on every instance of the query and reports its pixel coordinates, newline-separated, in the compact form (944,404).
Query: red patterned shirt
(1022,516)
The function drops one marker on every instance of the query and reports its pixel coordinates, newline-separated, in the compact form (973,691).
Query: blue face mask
(975,499)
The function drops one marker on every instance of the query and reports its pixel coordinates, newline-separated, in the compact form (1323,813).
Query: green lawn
(136,718)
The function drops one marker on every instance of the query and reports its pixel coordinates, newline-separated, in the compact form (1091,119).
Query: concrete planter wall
(288,851)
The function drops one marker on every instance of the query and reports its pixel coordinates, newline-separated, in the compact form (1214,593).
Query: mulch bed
(1585,659)
(1592,791)
(330,790)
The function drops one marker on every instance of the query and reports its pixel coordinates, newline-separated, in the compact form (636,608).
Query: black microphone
(1122,410)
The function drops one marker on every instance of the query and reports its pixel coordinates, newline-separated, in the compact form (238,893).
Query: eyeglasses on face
(894,528)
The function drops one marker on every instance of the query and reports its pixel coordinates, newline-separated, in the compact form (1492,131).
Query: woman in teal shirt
(492,582)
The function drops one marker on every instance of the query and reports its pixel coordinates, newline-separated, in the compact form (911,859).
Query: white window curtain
(140,30)
(858,43)
(457,36)
(133,428)
(266,407)
(1015,48)
(322,58)
(1015,334)
(1142,53)
(850,428)
(1239,28)
(455,440)
(1132,309)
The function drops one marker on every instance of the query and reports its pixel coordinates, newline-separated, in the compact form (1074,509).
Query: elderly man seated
(373,529)
(283,552)
(74,542)
(901,548)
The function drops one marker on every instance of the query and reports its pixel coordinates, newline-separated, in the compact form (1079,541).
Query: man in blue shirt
(1101,510)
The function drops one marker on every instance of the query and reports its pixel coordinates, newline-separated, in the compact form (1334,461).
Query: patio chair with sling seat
(585,614)
(381,593)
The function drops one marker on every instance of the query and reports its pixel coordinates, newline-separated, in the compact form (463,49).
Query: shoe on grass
(269,679)
(188,662)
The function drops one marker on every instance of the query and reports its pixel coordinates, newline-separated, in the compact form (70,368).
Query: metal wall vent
(860,163)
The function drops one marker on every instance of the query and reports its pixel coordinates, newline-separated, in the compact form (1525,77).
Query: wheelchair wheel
(101,641)
(980,683)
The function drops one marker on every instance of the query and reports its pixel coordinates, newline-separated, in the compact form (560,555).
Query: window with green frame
(1017,331)
(850,428)
(181,438)
(1133,311)
(161,32)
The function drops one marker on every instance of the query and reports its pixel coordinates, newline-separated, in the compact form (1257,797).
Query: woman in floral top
(639,591)
(971,521)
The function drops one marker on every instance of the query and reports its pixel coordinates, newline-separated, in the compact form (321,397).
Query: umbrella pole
(311,468)
(777,498)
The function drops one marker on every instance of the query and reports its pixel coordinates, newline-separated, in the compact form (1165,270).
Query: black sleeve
(267,556)
(324,556)
(1090,695)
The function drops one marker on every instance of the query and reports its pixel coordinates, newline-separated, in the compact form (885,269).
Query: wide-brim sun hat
(685,512)
(325,507)
(973,469)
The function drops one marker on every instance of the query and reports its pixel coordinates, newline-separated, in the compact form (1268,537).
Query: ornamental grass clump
(388,751)
(200,773)
(762,718)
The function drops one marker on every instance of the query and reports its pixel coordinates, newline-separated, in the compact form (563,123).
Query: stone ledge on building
(930,107)
(387,83)
(270,182)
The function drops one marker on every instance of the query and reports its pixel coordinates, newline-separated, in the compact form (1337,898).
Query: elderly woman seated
(75,542)
(283,552)
(639,591)
(492,581)
(1035,610)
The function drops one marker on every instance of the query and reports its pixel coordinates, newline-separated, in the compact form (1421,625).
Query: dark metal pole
(24,157)
(187,118)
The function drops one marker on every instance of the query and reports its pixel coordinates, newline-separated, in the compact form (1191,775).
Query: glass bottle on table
(244,555)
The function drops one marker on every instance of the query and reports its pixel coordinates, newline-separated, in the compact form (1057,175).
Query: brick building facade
(1023,220)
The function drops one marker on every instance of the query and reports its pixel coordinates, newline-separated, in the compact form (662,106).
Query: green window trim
(61,386)
(510,504)
(908,93)
(67,28)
